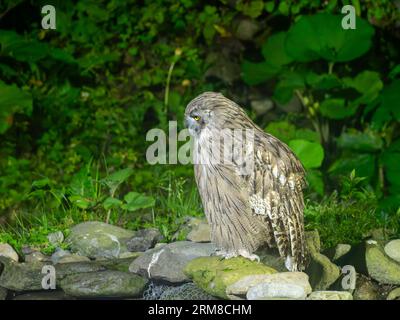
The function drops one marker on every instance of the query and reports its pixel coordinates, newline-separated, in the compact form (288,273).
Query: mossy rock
(214,274)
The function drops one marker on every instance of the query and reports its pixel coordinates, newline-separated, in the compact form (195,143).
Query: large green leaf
(311,154)
(274,51)
(116,178)
(321,36)
(315,181)
(12,100)
(336,109)
(368,83)
(256,73)
(135,201)
(363,164)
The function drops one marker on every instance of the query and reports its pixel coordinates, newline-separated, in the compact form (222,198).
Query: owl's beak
(192,125)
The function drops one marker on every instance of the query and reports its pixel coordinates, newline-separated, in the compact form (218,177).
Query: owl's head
(213,111)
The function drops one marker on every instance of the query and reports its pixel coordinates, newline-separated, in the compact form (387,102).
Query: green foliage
(76,103)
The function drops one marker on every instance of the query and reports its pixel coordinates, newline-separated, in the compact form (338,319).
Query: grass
(343,217)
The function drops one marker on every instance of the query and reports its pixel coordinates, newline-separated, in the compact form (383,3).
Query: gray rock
(7,251)
(167,263)
(28,276)
(187,291)
(380,267)
(322,272)
(392,249)
(44,295)
(261,106)
(144,239)
(365,289)
(3,293)
(394,294)
(330,295)
(246,29)
(241,287)
(73,258)
(224,69)
(56,238)
(200,233)
(340,250)
(59,254)
(103,284)
(293,106)
(36,256)
(98,240)
(276,290)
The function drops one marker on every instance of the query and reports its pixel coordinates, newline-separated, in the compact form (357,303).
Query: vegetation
(76,103)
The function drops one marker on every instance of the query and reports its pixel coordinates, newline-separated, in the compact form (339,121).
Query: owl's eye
(197,118)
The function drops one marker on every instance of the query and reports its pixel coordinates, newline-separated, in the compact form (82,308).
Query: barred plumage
(246,210)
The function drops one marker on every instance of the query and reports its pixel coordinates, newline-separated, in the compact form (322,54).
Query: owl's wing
(276,197)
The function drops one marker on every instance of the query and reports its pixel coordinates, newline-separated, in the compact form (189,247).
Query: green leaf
(368,83)
(274,51)
(135,201)
(81,202)
(391,162)
(40,184)
(250,8)
(364,164)
(256,73)
(284,89)
(336,109)
(323,81)
(368,141)
(282,130)
(111,202)
(321,36)
(12,100)
(116,178)
(311,154)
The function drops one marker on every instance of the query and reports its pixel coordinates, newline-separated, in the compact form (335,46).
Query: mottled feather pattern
(264,207)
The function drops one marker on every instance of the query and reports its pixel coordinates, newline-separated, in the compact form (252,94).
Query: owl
(250,183)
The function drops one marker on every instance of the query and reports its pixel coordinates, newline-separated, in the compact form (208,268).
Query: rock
(7,251)
(272,259)
(214,275)
(167,262)
(44,295)
(276,291)
(394,294)
(330,295)
(261,106)
(224,69)
(340,250)
(103,284)
(59,254)
(392,249)
(144,239)
(246,29)
(73,258)
(98,240)
(36,256)
(28,276)
(129,255)
(56,238)
(200,233)
(187,291)
(322,272)
(241,287)
(380,267)
(294,105)
(365,289)
(3,293)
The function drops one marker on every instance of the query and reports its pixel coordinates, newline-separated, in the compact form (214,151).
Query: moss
(214,274)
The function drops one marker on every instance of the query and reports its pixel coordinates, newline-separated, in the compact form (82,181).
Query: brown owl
(250,182)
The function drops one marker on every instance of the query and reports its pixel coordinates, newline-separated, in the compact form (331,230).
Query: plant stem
(330,67)
(166,97)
